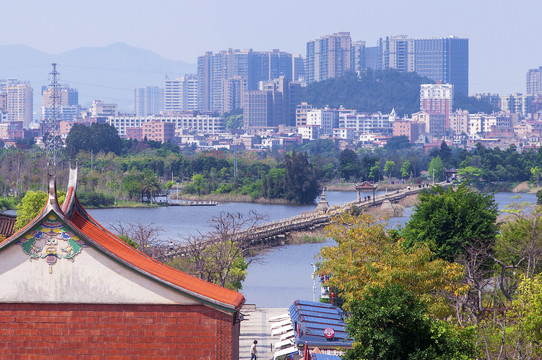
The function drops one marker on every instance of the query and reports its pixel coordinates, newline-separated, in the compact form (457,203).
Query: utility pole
(235,163)
(313,282)
(52,122)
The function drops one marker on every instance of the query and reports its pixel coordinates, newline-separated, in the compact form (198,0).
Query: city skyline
(502,39)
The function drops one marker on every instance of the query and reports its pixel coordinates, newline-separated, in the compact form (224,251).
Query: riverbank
(229,198)
(127,205)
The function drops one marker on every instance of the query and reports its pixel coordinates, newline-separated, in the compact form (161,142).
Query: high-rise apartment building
(396,52)
(68,103)
(363,56)
(298,68)
(272,105)
(328,57)
(66,95)
(250,66)
(232,93)
(257,108)
(181,94)
(19,101)
(516,103)
(149,100)
(439,59)
(534,81)
(445,60)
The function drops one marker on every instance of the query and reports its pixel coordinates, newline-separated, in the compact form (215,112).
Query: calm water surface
(282,274)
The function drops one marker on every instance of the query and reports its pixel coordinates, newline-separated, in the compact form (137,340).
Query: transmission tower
(53,141)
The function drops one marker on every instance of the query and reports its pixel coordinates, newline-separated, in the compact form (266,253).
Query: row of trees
(453,284)
(135,170)
(486,167)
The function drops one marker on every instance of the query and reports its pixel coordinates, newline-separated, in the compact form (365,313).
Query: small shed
(72,290)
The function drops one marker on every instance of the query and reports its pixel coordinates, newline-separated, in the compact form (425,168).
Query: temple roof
(7,222)
(79,222)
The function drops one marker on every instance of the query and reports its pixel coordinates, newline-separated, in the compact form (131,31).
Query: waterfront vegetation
(454,283)
(139,171)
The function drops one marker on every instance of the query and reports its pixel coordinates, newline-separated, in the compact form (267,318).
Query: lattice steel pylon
(53,141)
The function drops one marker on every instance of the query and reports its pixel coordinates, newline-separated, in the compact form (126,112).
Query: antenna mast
(52,142)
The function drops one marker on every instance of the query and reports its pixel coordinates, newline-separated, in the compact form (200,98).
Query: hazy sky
(505,36)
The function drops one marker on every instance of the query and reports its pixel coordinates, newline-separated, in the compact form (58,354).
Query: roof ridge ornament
(72,180)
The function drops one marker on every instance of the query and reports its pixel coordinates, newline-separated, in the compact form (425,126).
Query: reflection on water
(282,274)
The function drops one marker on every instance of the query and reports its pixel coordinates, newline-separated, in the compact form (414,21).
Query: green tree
(132,185)
(390,324)
(150,184)
(94,138)
(31,205)
(300,182)
(198,182)
(397,143)
(436,169)
(529,305)
(470,172)
(366,254)
(449,219)
(348,164)
(536,172)
(389,166)
(405,169)
(374,172)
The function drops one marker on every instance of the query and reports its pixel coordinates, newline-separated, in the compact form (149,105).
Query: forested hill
(380,90)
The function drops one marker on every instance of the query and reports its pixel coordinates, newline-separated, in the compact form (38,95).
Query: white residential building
(326,119)
(308,132)
(101,109)
(363,123)
(344,133)
(181,94)
(198,123)
(459,122)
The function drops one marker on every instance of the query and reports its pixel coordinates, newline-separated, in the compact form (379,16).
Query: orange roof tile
(125,252)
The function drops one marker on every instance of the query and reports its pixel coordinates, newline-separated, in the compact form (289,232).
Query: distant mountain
(109,73)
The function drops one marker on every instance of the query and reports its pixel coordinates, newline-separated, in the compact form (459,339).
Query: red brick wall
(80,331)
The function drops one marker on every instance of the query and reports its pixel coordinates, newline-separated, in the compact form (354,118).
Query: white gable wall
(91,278)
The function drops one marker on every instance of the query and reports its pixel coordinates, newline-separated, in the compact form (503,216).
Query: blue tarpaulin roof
(325,357)
(309,320)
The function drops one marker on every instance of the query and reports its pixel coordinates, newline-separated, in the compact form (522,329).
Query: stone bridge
(275,232)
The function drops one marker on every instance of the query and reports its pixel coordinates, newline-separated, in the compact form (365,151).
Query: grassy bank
(306,237)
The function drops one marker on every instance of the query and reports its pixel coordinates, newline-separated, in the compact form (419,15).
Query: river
(282,274)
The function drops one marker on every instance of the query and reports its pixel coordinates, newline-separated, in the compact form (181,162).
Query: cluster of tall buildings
(224,75)
(267,86)
(439,59)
